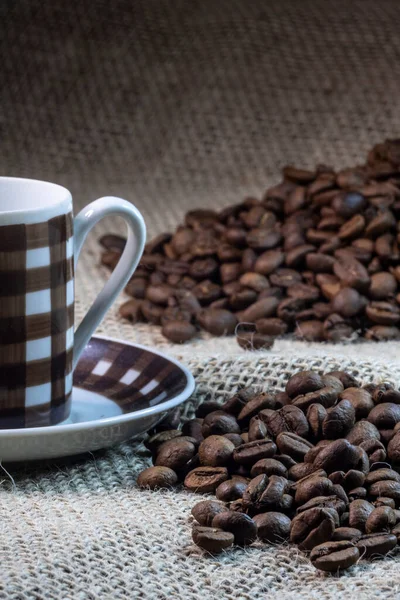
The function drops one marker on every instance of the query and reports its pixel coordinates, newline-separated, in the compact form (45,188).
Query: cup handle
(83,223)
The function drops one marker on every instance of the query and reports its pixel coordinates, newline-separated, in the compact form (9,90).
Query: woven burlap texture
(174,105)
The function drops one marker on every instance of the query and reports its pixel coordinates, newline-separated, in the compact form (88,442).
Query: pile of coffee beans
(318,256)
(317,465)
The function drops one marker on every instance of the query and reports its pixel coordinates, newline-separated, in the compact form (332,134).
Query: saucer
(120,391)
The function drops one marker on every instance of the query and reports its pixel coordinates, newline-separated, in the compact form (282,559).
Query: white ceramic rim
(130,416)
(37,213)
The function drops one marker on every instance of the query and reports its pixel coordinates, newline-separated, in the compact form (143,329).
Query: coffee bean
(240,525)
(212,539)
(313,527)
(250,453)
(254,406)
(346,533)
(215,451)
(235,404)
(269,261)
(230,490)
(362,431)
(205,511)
(385,415)
(383,313)
(376,544)
(157,478)
(348,302)
(326,396)
(272,527)
(337,328)
(359,512)
(288,418)
(339,420)
(293,445)
(176,453)
(179,332)
(325,502)
(219,422)
(360,399)
(303,383)
(310,331)
(272,326)
(338,454)
(268,466)
(312,486)
(261,309)
(334,556)
(217,321)
(381,519)
(204,480)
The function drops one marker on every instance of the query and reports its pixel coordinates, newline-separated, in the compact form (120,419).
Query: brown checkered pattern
(36,322)
(134,378)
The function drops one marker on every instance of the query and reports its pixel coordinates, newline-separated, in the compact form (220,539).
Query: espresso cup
(40,243)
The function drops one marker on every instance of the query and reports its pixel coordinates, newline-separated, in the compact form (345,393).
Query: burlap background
(174,105)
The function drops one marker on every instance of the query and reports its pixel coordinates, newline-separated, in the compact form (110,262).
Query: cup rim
(36,213)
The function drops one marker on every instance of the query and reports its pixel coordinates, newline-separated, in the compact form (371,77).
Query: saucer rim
(118,419)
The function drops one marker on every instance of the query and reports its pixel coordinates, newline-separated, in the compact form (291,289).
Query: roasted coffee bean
(293,445)
(179,332)
(312,486)
(215,451)
(362,431)
(346,533)
(240,525)
(273,527)
(219,422)
(325,502)
(204,480)
(176,453)
(326,396)
(337,328)
(376,544)
(154,442)
(235,404)
(272,326)
(257,429)
(217,321)
(254,491)
(385,392)
(235,438)
(205,511)
(381,519)
(310,331)
(383,313)
(131,310)
(335,555)
(254,406)
(360,399)
(250,453)
(348,302)
(157,478)
(261,309)
(300,470)
(288,418)
(316,414)
(269,261)
(359,512)
(339,420)
(339,454)
(303,383)
(385,415)
(254,341)
(212,539)
(268,466)
(313,527)
(230,490)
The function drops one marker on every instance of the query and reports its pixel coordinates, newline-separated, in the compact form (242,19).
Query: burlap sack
(174,105)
